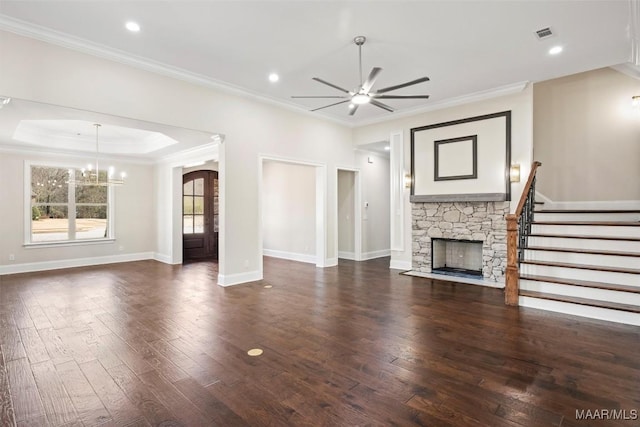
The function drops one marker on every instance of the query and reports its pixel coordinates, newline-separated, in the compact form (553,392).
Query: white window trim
(71,203)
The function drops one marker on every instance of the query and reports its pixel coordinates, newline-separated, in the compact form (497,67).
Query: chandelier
(93,175)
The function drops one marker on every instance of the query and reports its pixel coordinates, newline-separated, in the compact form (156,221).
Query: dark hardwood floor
(145,343)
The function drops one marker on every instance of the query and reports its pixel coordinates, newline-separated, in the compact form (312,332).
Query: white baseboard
(331,262)
(448,278)
(586,205)
(164,258)
(290,256)
(376,254)
(347,255)
(239,278)
(397,264)
(544,199)
(76,262)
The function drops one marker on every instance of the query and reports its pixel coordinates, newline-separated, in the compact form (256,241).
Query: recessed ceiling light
(273,77)
(134,27)
(386,147)
(555,50)
(351,106)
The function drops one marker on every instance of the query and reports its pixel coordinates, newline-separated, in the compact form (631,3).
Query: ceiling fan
(363,94)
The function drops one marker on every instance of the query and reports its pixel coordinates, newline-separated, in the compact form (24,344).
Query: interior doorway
(349,216)
(200,214)
(292,201)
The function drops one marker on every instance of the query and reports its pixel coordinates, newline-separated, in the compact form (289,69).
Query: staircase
(583,262)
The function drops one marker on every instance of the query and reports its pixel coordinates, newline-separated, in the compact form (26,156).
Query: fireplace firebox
(456,257)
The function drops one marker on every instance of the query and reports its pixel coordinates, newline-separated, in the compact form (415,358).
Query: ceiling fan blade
(373,75)
(336,97)
(331,84)
(400,96)
(353,110)
(330,105)
(400,86)
(381,105)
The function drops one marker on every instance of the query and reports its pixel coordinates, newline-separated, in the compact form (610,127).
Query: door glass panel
(188,189)
(187,205)
(198,187)
(187,224)
(198,223)
(215,223)
(198,205)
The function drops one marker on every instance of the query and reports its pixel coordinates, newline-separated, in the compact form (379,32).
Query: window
(60,211)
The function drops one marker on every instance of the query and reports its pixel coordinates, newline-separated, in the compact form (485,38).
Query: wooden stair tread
(569,236)
(583,251)
(583,283)
(587,211)
(591,223)
(583,266)
(582,301)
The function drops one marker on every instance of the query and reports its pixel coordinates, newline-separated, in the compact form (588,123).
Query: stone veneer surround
(484,221)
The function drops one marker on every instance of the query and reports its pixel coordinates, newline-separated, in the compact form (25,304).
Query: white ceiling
(464,47)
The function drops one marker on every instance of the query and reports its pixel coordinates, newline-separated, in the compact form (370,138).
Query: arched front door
(200,215)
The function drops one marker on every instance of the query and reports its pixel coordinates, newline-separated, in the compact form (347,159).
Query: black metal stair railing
(525,221)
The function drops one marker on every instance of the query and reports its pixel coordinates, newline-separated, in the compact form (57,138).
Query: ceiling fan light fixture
(360,98)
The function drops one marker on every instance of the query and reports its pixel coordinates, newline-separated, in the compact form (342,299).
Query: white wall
(346,214)
(375,191)
(134,219)
(207,166)
(521,143)
(288,210)
(587,136)
(38,71)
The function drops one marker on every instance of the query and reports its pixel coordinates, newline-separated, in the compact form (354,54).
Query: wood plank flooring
(146,343)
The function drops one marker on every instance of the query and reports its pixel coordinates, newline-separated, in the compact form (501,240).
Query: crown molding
(628,69)
(451,102)
(58,38)
(202,152)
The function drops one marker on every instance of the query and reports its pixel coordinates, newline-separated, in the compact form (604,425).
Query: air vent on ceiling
(544,33)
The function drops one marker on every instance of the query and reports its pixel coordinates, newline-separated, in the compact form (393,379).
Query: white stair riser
(581,310)
(622,216)
(581,292)
(593,244)
(580,274)
(587,230)
(580,258)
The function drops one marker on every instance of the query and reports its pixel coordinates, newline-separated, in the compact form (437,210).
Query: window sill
(69,243)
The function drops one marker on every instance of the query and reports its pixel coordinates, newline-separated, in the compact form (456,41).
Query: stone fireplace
(480,222)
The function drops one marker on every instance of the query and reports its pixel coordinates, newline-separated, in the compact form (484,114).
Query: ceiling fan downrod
(359,41)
